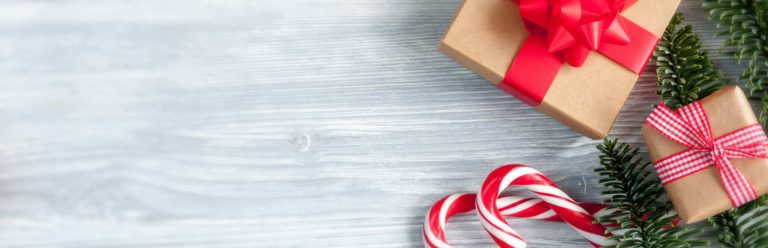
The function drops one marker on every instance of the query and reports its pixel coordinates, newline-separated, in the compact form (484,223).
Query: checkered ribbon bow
(689,126)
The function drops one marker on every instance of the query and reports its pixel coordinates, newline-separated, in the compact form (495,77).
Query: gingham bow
(689,126)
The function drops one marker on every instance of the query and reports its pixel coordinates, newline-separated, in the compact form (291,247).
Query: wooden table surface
(271,123)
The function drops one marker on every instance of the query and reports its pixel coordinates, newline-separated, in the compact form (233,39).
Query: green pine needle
(684,71)
(745,24)
(640,213)
(744,227)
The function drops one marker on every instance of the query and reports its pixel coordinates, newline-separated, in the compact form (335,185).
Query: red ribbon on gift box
(563,31)
(689,126)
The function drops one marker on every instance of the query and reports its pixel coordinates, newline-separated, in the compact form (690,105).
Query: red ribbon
(567,31)
(689,126)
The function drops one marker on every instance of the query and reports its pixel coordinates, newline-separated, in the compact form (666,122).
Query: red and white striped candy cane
(509,206)
(562,205)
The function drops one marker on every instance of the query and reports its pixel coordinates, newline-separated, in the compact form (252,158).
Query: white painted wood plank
(262,124)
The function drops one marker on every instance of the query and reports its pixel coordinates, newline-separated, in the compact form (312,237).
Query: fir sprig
(684,71)
(640,216)
(745,226)
(745,24)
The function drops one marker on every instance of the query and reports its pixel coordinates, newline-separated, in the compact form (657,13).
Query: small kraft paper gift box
(575,60)
(710,155)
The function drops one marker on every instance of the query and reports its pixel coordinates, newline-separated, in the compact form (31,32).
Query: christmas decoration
(517,175)
(509,206)
(712,147)
(638,212)
(541,52)
(552,204)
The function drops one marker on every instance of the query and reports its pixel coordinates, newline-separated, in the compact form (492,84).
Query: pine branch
(746,26)
(745,226)
(684,71)
(640,214)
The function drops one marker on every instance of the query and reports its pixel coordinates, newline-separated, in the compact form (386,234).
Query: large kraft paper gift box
(694,183)
(487,35)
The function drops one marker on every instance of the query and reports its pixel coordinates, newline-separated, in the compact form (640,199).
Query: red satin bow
(568,31)
(576,27)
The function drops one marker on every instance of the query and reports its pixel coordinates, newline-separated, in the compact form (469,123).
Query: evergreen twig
(684,71)
(743,227)
(745,24)
(640,213)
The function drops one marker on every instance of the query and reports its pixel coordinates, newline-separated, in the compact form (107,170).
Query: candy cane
(518,175)
(509,206)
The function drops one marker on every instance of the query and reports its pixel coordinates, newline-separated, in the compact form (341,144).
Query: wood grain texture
(271,123)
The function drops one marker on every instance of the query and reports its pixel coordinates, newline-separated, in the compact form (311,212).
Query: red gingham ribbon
(689,126)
